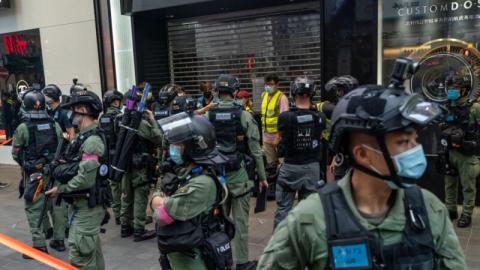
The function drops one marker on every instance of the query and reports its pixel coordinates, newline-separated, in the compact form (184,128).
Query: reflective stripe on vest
(270,111)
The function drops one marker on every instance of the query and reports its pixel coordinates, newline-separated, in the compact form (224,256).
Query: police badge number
(350,254)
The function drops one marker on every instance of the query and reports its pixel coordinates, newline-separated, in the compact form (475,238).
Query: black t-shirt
(62,117)
(301,145)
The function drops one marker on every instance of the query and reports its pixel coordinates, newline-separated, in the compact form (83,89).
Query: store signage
(15,44)
(416,8)
(4,3)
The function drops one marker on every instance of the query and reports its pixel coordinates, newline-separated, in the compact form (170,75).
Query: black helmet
(196,133)
(227,83)
(33,101)
(88,98)
(179,104)
(168,93)
(302,86)
(345,83)
(77,87)
(110,96)
(52,91)
(376,110)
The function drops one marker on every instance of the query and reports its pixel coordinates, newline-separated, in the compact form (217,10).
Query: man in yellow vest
(274,102)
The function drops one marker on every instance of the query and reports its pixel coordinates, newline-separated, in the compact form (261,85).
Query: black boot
(58,245)
(464,221)
(142,234)
(452,214)
(43,249)
(251,265)
(126,230)
(49,233)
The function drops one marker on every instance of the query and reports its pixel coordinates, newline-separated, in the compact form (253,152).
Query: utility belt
(457,138)
(99,194)
(207,233)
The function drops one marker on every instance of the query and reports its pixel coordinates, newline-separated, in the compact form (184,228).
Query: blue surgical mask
(409,164)
(175,153)
(453,94)
(269,89)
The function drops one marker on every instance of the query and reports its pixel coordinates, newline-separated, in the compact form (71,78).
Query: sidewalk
(124,254)
(120,253)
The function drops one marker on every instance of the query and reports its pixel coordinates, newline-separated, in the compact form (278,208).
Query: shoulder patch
(182,190)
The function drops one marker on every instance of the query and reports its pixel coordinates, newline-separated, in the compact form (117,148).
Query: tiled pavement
(123,253)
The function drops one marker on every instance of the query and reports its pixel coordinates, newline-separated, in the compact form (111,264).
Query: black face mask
(207,95)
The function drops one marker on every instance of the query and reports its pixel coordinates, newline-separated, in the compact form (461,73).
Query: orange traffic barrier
(35,253)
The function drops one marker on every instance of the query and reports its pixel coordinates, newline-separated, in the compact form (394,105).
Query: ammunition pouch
(65,172)
(141,160)
(234,161)
(34,166)
(34,187)
(180,236)
(217,251)
(250,167)
(170,183)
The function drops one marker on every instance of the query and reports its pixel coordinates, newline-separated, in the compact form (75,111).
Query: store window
(20,67)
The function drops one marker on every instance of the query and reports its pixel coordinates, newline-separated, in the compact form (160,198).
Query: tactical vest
(351,246)
(230,135)
(270,111)
(108,122)
(42,143)
(100,193)
(303,134)
(160,112)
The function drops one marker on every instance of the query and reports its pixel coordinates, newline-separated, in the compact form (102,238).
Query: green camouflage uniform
(195,198)
(468,168)
(115,186)
(85,250)
(239,186)
(135,183)
(33,209)
(300,240)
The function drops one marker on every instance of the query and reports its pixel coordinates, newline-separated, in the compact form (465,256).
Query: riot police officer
(236,131)
(109,120)
(461,132)
(375,217)
(162,107)
(188,207)
(52,99)
(335,88)
(137,179)
(300,130)
(83,181)
(34,145)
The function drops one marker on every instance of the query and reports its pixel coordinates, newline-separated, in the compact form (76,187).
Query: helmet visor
(177,128)
(419,111)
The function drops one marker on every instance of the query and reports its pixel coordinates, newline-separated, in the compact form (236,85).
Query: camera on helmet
(403,69)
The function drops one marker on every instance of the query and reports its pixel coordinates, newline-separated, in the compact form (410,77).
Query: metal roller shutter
(249,47)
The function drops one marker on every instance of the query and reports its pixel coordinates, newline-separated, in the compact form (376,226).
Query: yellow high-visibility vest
(326,131)
(270,111)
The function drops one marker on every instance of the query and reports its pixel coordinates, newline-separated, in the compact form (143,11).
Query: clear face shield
(177,128)
(419,111)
